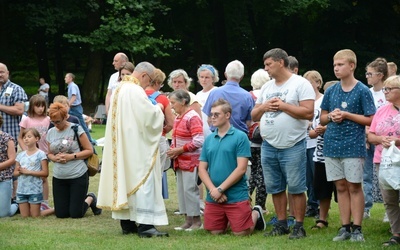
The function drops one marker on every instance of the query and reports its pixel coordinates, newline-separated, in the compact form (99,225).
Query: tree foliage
(125,25)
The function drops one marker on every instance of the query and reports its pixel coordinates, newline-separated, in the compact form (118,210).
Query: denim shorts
(29,198)
(284,167)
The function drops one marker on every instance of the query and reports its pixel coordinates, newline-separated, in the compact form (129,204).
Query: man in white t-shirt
(119,60)
(44,89)
(284,108)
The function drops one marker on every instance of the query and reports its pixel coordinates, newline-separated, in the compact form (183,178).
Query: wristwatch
(329,118)
(220,190)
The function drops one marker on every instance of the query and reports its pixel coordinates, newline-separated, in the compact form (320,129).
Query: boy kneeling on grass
(223,164)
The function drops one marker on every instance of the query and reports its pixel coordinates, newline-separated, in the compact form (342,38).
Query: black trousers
(69,196)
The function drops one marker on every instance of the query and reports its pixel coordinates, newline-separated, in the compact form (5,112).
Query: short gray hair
(181,96)
(259,78)
(177,73)
(234,70)
(145,67)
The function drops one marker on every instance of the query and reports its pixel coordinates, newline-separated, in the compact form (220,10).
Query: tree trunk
(91,82)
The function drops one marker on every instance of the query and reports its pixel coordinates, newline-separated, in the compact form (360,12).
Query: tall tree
(115,25)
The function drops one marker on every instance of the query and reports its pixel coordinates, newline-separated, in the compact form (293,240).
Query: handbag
(254,133)
(389,169)
(92,161)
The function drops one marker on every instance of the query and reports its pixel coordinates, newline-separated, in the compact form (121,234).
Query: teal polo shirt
(221,154)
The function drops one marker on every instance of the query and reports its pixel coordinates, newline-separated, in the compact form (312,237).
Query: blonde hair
(329,84)
(392,67)
(315,76)
(393,81)
(348,55)
(159,77)
(61,99)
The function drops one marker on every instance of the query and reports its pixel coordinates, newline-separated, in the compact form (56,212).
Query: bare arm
(360,119)
(169,119)
(384,140)
(338,116)
(44,172)
(11,155)
(304,111)
(20,140)
(17,109)
(196,107)
(237,174)
(108,99)
(258,111)
(73,98)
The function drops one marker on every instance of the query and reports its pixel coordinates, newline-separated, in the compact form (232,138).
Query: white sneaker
(385,218)
(367,214)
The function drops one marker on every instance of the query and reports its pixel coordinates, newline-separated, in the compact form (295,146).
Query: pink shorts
(217,216)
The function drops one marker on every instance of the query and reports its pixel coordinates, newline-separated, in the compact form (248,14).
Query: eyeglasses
(388,89)
(56,122)
(151,79)
(370,74)
(215,115)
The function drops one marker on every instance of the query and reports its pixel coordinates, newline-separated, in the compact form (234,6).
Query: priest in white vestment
(130,180)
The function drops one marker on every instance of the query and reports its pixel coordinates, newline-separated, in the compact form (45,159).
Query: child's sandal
(317,227)
(393,241)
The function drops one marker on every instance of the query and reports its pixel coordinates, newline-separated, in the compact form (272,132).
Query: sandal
(317,227)
(393,241)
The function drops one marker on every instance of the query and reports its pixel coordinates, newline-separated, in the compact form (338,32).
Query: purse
(389,169)
(254,133)
(92,161)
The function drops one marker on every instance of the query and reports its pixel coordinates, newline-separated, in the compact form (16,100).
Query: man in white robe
(130,181)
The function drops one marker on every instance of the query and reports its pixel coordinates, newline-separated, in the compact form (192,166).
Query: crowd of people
(315,140)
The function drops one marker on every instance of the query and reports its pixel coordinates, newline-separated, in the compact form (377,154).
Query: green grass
(103,232)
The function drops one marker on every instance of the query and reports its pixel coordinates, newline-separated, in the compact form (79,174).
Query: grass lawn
(102,232)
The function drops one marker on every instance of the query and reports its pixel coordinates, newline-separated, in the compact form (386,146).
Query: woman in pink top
(37,118)
(187,139)
(385,127)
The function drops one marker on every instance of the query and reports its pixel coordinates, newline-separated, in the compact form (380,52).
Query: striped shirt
(188,133)
(10,94)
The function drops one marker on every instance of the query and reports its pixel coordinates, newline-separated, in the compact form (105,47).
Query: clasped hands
(217,196)
(61,157)
(337,115)
(272,105)
(174,152)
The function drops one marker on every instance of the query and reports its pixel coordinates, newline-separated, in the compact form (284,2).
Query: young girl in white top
(30,166)
(37,118)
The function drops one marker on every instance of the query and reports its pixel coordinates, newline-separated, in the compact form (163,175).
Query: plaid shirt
(10,94)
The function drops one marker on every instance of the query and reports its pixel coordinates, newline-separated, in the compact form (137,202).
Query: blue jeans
(78,111)
(312,202)
(368,177)
(6,208)
(284,167)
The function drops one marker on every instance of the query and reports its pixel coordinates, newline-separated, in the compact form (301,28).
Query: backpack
(153,97)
